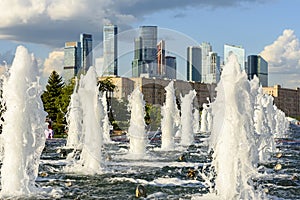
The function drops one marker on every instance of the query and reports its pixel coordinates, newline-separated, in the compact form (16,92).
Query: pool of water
(164,174)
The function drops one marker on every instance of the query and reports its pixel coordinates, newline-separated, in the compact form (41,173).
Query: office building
(259,67)
(194,63)
(161,59)
(86,42)
(170,67)
(213,70)
(145,53)
(238,51)
(110,50)
(206,48)
(72,59)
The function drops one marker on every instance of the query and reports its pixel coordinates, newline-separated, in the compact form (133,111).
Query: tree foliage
(56,99)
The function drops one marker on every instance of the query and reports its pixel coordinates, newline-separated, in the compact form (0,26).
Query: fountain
(106,123)
(196,115)
(206,118)
(168,119)
(266,144)
(136,130)
(92,110)
(23,124)
(187,135)
(232,138)
(74,120)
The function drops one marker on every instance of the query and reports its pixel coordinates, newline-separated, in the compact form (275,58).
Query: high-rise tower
(259,67)
(194,63)
(145,52)
(86,42)
(110,50)
(72,59)
(238,51)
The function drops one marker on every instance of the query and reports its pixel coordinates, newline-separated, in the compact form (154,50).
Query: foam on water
(23,126)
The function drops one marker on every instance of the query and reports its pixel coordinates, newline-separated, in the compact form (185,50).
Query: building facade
(171,67)
(206,48)
(145,52)
(72,60)
(287,100)
(214,69)
(194,63)
(238,51)
(154,92)
(161,59)
(110,50)
(256,65)
(86,41)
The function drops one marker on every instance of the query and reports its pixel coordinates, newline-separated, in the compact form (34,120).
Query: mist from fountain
(232,139)
(282,124)
(23,126)
(187,135)
(168,119)
(106,123)
(136,130)
(90,161)
(74,120)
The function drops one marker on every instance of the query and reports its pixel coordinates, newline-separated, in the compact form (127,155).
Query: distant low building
(154,92)
(287,100)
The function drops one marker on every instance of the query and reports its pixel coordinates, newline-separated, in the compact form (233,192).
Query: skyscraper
(145,52)
(238,51)
(213,73)
(110,50)
(206,48)
(72,59)
(161,59)
(86,42)
(259,67)
(194,63)
(170,67)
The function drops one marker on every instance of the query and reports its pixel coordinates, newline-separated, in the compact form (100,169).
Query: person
(50,133)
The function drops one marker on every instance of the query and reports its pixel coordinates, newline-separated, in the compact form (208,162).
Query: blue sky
(44,25)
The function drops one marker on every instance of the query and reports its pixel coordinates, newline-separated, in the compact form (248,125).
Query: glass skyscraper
(238,51)
(145,52)
(170,67)
(110,50)
(86,42)
(259,67)
(194,63)
(72,59)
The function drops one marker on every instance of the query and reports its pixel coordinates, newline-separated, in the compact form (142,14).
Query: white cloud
(284,54)
(54,62)
(283,57)
(53,22)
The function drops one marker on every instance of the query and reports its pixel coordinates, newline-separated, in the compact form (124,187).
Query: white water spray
(232,138)
(168,118)
(90,158)
(187,135)
(106,123)
(23,126)
(136,130)
(74,120)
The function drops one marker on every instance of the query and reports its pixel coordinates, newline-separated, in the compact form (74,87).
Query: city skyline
(260,27)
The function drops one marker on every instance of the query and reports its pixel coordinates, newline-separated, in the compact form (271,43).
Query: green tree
(51,98)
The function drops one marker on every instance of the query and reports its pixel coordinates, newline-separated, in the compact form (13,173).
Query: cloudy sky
(267,27)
